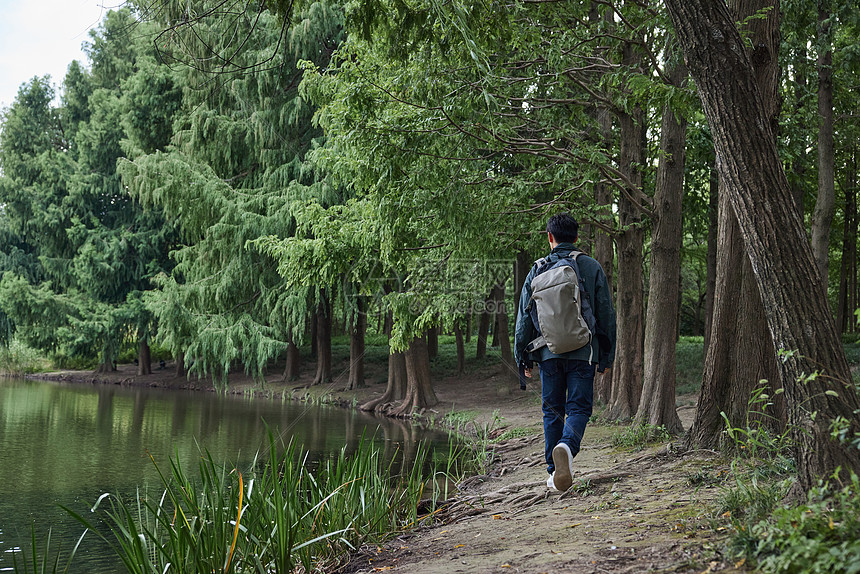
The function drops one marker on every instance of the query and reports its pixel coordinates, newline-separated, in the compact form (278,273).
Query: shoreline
(627,507)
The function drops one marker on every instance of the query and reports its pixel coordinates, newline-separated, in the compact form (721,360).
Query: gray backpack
(560,307)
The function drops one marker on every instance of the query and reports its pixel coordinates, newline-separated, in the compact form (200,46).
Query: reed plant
(277,516)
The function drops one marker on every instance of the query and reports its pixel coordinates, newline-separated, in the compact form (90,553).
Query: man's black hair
(563,227)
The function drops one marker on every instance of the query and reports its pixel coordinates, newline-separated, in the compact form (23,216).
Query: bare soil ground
(645,511)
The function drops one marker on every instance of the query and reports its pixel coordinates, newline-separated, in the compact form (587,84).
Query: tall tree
(739,354)
(657,406)
(814,370)
(825,202)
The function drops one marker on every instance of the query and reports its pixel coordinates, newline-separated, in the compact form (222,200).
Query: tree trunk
(323,341)
(603,251)
(657,406)
(743,354)
(752,177)
(469,326)
(180,365)
(293,363)
(395,389)
(711,261)
(627,372)
(800,162)
(483,329)
(521,268)
(845,311)
(419,386)
(461,347)
(503,330)
(825,203)
(720,353)
(433,341)
(144,357)
(357,331)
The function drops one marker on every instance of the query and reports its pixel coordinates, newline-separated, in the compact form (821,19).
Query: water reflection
(67,444)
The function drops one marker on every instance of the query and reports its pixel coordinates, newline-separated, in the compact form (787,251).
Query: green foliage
(763,471)
(817,536)
(638,436)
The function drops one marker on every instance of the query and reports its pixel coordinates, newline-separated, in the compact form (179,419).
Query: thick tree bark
(293,362)
(357,332)
(825,203)
(627,370)
(743,354)
(657,406)
(180,366)
(752,177)
(419,386)
(144,358)
(395,389)
(323,341)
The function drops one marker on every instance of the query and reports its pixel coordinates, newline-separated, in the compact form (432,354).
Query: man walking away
(566,324)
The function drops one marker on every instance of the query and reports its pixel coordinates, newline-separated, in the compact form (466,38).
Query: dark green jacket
(602,349)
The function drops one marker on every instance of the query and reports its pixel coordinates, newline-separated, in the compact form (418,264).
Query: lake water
(69,443)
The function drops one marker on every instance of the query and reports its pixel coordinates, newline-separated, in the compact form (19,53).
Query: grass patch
(817,536)
(638,436)
(276,516)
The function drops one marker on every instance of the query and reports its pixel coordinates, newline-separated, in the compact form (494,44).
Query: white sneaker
(563,459)
(550,484)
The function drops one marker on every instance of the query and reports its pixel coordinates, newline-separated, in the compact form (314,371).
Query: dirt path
(641,513)
(644,511)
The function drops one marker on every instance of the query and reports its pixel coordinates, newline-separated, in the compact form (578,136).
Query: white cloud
(42,38)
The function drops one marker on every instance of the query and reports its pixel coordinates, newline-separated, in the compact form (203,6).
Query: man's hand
(528,372)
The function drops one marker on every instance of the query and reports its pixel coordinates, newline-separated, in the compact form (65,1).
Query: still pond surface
(69,443)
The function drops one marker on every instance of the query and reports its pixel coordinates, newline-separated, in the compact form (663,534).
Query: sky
(43,37)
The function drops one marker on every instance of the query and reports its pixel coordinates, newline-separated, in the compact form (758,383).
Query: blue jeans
(567,390)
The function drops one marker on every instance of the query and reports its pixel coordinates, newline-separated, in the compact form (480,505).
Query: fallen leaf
(574,525)
(505,566)
(460,546)
(497,517)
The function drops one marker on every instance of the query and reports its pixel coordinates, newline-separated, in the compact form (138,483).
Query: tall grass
(276,516)
(17,359)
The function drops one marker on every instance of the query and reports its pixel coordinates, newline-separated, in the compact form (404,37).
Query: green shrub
(18,359)
(819,536)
